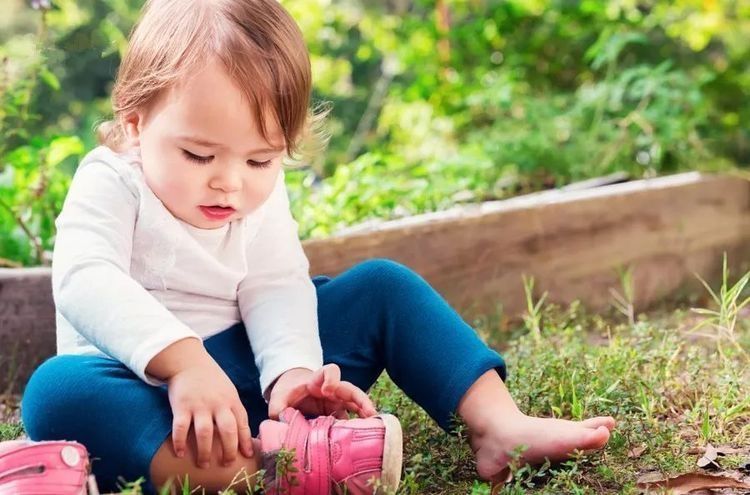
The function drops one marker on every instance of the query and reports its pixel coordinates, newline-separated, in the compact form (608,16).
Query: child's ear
(133,125)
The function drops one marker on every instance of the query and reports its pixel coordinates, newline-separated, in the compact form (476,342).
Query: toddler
(192,341)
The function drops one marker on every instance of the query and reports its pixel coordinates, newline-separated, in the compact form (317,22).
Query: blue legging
(378,315)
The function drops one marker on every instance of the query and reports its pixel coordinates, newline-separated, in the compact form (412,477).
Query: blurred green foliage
(435,101)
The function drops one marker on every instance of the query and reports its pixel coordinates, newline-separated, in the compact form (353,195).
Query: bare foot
(544,438)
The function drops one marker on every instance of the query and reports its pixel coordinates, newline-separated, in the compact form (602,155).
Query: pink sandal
(328,455)
(45,468)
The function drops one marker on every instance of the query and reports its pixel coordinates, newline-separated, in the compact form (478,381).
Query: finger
(226,423)
(287,398)
(329,406)
(331,378)
(243,430)
(323,381)
(347,392)
(354,407)
(180,427)
(204,435)
(341,414)
(314,385)
(318,376)
(342,410)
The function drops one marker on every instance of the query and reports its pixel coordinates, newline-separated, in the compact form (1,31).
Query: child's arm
(277,299)
(91,282)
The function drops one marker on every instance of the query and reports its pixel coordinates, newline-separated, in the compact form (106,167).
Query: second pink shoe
(328,455)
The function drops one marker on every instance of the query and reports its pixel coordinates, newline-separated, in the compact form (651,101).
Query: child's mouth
(217,212)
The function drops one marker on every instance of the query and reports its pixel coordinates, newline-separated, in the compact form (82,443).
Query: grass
(668,386)
(669,390)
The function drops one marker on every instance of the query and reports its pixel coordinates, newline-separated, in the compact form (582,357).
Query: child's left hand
(318,393)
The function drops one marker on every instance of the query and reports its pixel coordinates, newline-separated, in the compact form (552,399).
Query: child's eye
(196,158)
(205,159)
(255,164)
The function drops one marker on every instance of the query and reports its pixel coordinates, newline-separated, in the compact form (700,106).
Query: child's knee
(45,395)
(387,277)
(58,393)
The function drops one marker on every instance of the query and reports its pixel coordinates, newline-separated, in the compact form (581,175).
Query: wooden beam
(27,324)
(571,241)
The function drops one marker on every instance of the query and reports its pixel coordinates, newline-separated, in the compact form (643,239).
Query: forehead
(210,105)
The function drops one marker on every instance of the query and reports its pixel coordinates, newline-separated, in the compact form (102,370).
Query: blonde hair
(257,41)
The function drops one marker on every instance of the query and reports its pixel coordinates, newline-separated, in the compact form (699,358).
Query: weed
(723,320)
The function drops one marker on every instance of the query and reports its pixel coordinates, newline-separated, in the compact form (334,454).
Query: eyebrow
(210,144)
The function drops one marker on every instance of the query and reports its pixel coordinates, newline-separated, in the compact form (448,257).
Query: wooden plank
(27,324)
(570,241)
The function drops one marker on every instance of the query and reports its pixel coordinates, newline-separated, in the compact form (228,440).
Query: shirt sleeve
(91,283)
(277,299)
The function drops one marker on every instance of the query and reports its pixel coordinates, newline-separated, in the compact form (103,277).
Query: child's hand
(318,393)
(202,395)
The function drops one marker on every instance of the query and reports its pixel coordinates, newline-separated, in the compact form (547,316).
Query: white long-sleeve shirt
(129,279)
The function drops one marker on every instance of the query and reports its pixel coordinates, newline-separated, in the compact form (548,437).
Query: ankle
(486,402)
(499,423)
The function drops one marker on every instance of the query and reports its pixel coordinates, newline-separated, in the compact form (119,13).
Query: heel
(393,454)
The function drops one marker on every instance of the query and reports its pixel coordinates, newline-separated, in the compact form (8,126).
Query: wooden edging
(667,229)
(572,242)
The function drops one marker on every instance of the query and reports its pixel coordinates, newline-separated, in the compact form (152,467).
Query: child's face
(200,146)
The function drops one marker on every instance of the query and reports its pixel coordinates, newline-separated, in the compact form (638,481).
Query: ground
(672,390)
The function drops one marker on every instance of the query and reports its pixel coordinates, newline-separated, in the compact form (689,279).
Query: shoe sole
(393,455)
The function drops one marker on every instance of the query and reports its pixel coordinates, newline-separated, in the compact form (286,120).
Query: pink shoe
(350,456)
(45,468)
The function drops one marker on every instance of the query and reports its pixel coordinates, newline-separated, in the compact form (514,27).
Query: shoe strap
(318,458)
(310,441)
(296,438)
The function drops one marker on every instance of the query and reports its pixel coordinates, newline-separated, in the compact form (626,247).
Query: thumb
(275,406)
(277,402)
(283,399)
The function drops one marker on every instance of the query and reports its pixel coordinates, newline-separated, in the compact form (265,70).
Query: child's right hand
(201,394)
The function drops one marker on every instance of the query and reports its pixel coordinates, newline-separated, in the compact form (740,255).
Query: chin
(202,223)
(215,225)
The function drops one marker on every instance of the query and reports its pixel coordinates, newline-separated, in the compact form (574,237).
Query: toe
(606,421)
(595,439)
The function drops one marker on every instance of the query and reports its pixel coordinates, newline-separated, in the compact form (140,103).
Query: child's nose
(228,180)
